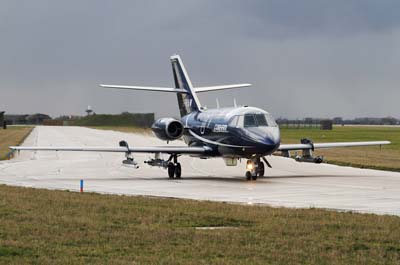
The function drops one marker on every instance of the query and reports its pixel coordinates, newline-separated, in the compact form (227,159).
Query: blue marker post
(81,189)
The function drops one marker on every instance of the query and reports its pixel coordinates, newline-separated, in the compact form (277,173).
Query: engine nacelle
(167,129)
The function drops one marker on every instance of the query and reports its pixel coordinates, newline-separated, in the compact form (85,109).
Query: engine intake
(167,129)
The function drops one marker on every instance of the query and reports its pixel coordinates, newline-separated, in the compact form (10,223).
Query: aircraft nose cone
(271,140)
(266,139)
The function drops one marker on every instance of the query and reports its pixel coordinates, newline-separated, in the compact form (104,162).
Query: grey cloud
(288,19)
(305,58)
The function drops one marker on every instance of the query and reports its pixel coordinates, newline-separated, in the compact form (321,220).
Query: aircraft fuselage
(233,132)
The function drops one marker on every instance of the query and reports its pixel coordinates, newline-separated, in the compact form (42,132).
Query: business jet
(230,133)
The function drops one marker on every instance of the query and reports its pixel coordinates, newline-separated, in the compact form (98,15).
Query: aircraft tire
(248,175)
(254,177)
(171,170)
(178,171)
(261,170)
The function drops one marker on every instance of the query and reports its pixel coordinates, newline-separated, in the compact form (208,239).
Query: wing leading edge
(289,147)
(156,149)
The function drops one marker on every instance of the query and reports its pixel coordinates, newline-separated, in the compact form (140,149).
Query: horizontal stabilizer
(177,90)
(146,88)
(212,88)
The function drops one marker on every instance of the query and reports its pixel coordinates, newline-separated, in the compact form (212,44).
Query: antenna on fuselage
(234,102)
(216,99)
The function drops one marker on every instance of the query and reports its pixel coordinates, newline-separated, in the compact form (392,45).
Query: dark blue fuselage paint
(227,134)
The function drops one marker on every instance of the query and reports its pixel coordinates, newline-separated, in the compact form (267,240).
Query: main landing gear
(172,165)
(255,168)
(174,168)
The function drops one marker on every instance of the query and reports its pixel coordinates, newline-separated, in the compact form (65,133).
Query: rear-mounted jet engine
(167,129)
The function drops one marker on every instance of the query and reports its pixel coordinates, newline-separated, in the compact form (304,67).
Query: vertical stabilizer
(188,102)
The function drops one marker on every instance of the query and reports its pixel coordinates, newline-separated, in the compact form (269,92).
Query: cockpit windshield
(253,120)
(249,120)
(261,120)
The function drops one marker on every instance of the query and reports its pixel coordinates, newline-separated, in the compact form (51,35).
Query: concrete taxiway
(288,183)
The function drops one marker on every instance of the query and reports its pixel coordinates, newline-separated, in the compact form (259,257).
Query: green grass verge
(13,135)
(60,227)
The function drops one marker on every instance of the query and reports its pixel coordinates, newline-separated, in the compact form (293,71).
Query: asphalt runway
(288,183)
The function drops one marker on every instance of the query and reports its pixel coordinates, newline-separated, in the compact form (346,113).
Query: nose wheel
(254,169)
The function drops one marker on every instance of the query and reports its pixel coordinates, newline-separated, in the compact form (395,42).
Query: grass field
(13,135)
(387,158)
(60,227)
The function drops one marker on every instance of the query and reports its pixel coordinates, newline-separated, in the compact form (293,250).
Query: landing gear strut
(174,168)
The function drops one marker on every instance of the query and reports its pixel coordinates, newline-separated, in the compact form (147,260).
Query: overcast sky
(304,58)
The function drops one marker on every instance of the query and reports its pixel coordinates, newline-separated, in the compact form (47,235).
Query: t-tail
(187,94)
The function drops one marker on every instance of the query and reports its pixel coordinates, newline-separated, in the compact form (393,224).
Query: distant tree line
(144,120)
(314,122)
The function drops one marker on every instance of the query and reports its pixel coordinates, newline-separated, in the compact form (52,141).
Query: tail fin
(188,102)
(186,93)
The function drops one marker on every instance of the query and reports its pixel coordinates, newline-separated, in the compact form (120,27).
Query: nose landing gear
(255,168)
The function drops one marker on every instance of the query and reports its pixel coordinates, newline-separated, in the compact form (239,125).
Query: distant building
(326,124)
(15,119)
(25,119)
(37,118)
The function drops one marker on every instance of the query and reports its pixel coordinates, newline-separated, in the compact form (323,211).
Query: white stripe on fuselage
(215,143)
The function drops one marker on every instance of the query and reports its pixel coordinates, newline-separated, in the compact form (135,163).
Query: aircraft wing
(156,149)
(289,147)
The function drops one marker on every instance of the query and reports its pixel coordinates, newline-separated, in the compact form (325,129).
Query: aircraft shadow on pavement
(211,178)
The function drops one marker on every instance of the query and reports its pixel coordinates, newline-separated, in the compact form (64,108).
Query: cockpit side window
(240,121)
(249,120)
(233,122)
(270,120)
